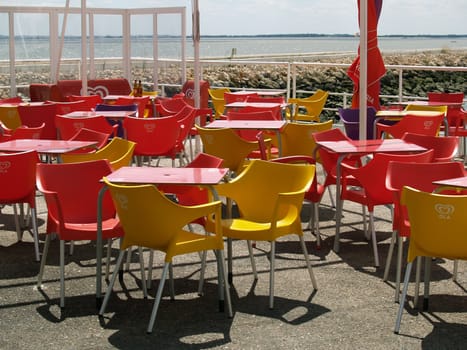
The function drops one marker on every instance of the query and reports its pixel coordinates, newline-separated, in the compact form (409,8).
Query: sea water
(171,48)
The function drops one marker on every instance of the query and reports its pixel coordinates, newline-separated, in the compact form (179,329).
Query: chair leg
(308,264)
(404,296)
(252,259)
(390,253)
(400,246)
(201,272)
(417,281)
(150,262)
(271,274)
(112,282)
(35,232)
(107,264)
(373,239)
(223,283)
(314,224)
(158,298)
(365,226)
(62,273)
(143,276)
(19,232)
(171,281)
(44,258)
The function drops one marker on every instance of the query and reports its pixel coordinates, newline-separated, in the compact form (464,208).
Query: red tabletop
(429,103)
(247,124)
(261,93)
(106,114)
(370,146)
(173,176)
(255,104)
(44,146)
(455,182)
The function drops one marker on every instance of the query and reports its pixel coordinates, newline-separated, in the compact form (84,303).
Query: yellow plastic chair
(309,108)
(217,99)
(297,138)
(415,107)
(269,197)
(437,229)
(226,144)
(118,152)
(9,116)
(152,221)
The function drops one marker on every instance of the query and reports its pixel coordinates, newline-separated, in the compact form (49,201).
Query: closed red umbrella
(375,67)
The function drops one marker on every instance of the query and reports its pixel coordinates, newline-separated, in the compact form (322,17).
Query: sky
(252,17)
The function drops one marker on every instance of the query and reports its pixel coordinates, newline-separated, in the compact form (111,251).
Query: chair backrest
(141,102)
(204,160)
(437,223)
(445,147)
(15,100)
(67,127)
(419,176)
(24,132)
(18,177)
(153,136)
(217,100)
(351,119)
(72,106)
(297,138)
(71,191)
(249,135)
(326,158)
(275,109)
(9,116)
(226,144)
(416,125)
(170,106)
(415,107)
(91,100)
(85,134)
(457,97)
(265,180)
(313,106)
(118,152)
(231,97)
(34,115)
(372,176)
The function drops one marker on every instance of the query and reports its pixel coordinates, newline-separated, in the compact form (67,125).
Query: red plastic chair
(18,179)
(67,127)
(85,134)
(71,191)
(328,159)
(91,100)
(72,106)
(259,98)
(412,124)
(371,189)
(13,100)
(154,137)
(170,106)
(419,176)
(445,147)
(143,103)
(34,115)
(22,132)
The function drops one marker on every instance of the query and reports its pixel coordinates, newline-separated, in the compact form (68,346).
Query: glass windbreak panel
(32,50)
(71,51)
(108,46)
(142,49)
(170,47)
(4,57)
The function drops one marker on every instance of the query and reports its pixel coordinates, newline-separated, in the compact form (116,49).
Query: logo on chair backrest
(444,211)
(4,166)
(122,201)
(427,124)
(149,127)
(78,126)
(189,93)
(98,90)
